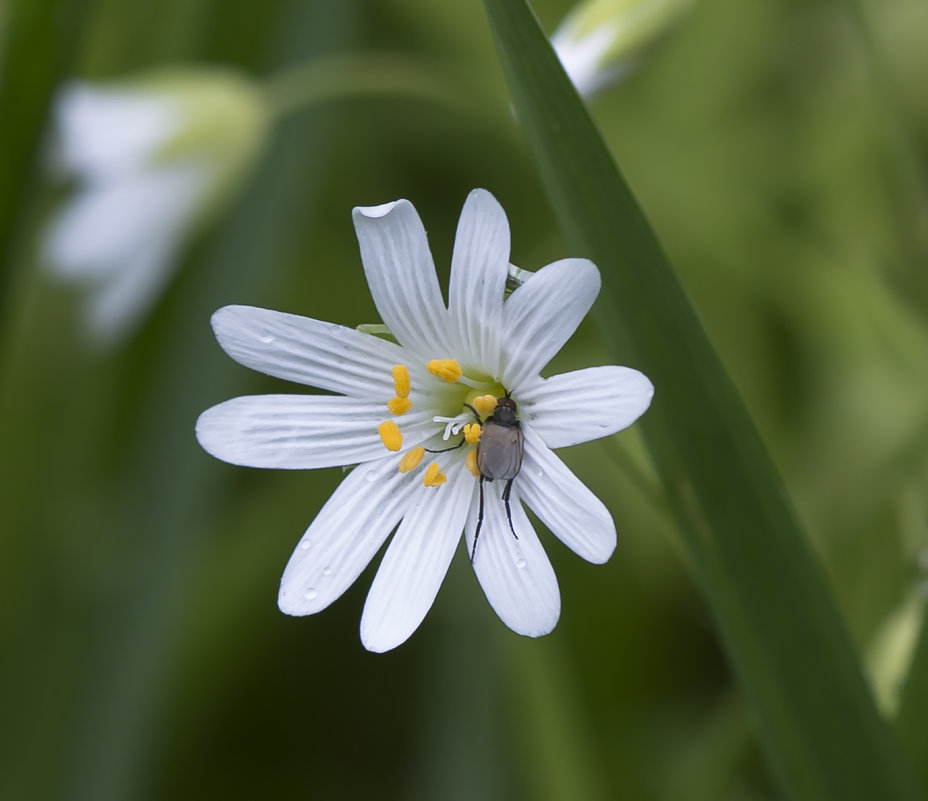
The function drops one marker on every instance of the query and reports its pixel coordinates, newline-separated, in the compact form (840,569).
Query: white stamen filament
(454,425)
(470,382)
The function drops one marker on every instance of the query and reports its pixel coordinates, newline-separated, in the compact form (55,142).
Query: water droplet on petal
(371,475)
(266,338)
(520,564)
(327,571)
(310,594)
(305,543)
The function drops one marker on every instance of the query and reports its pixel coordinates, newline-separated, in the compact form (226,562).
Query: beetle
(499,456)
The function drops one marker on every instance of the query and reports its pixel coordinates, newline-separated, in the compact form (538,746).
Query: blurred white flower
(599,40)
(429,421)
(154,157)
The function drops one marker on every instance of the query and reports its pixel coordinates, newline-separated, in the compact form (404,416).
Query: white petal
(570,511)
(108,131)
(515,574)
(345,536)
(417,560)
(116,305)
(479,267)
(106,225)
(298,432)
(585,404)
(401,276)
(307,351)
(543,313)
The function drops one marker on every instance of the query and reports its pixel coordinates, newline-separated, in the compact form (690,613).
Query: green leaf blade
(910,719)
(768,592)
(39,39)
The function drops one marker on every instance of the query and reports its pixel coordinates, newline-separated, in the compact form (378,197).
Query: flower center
(477,399)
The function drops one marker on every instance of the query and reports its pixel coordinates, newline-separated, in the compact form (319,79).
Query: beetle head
(505,411)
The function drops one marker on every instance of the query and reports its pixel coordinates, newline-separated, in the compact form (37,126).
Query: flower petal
(110,131)
(401,276)
(479,267)
(585,404)
(114,307)
(563,503)
(416,561)
(543,313)
(300,432)
(308,351)
(107,224)
(515,574)
(345,535)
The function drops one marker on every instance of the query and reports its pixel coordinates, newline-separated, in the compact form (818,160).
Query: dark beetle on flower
(499,456)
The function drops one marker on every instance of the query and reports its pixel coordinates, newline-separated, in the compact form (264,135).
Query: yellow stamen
(472,433)
(446,369)
(411,459)
(433,476)
(484,404)
(390,435)
(401,380)
(399,405)
(470,462)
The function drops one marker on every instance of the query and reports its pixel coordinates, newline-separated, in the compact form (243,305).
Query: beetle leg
(445,450)
(506,492)
(473,551)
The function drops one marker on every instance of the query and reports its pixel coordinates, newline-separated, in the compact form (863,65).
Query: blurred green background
(779,149)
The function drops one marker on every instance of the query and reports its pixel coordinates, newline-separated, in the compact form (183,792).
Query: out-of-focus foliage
(813,708)
(780,150)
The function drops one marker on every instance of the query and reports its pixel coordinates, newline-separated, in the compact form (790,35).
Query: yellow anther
(472,433)
(470,462)
(446,369)
(411,459)
(433,476)
(484,404)
(401,381)
(390,435)
(399,405)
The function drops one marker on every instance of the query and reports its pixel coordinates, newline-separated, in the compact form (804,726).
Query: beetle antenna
(473,551)
(508,510)
(477,416)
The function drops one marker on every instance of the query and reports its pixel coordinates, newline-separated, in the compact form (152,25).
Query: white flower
(400,407)
(154,156)
(599,40)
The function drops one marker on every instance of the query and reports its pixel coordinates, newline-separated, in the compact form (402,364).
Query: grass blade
(769,595)
(910,719)
(40,38)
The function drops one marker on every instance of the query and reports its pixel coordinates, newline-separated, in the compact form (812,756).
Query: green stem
(352,75)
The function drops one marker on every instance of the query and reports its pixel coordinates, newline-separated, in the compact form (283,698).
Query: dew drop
(266,338)
(371,475)
(310,594)
(304,544)
(520,564)
(327,571)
